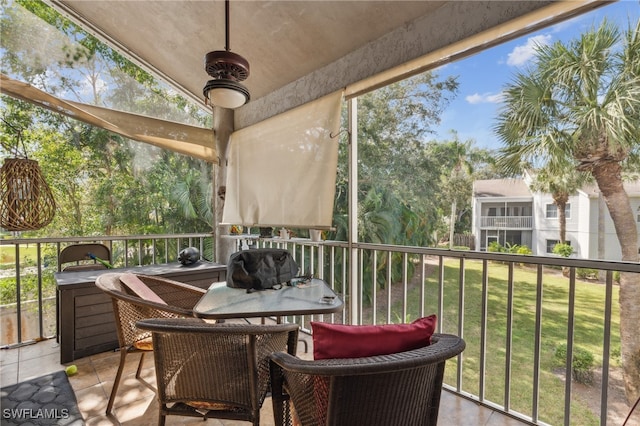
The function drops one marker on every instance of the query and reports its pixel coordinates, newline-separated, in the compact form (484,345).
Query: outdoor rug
(46,400)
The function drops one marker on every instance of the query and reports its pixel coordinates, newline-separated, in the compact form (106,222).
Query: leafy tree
(193,194)
(103,183)
(392,123)
(396,176)
(459,163)
(61,164)
(580,104)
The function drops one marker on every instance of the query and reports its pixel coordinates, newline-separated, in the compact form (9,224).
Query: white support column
(222,128)
(354,292)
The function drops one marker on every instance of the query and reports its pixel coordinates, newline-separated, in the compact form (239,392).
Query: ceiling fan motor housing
(226,64)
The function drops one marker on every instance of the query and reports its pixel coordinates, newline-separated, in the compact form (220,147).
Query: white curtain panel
(282,171)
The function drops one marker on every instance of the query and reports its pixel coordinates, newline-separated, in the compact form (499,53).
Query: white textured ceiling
(284,41)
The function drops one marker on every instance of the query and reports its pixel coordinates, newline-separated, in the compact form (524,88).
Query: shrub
(495,247)
(6,257)
(582,364)
(616,355)
(516,249)
(564,250)
(28,287)
(587,273)
(523,250)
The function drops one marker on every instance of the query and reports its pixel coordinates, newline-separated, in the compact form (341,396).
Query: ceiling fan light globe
(226,93)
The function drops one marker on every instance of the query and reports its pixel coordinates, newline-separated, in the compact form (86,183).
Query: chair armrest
(198,325)
(156,310)
(174,293)
(443,347)
(168,283)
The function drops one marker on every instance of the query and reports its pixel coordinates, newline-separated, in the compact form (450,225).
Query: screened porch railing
(523,317)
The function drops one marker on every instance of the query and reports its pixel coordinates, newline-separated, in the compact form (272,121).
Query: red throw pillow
(355,341)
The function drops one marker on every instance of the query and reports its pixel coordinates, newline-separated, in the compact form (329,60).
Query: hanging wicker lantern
(27,202)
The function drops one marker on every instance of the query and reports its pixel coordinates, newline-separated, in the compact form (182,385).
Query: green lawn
(588,332)
(8,258)
(29,280)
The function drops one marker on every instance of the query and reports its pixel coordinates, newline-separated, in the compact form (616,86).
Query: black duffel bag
(261,269)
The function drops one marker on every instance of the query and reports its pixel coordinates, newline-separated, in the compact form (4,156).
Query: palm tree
(561,184)
(580,103)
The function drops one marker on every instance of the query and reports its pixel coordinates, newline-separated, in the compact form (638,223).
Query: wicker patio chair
(164,299)
(400,389)
(215,370)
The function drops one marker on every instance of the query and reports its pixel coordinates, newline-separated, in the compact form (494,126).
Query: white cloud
(476,98)
(523,53)
(485,98)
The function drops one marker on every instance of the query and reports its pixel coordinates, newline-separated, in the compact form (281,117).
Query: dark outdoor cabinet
(85,314)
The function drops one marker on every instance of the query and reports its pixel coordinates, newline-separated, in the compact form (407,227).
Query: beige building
(509,212)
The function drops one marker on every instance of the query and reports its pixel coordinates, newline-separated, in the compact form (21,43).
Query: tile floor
(136,405)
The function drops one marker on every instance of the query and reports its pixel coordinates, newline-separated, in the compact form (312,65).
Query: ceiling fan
(228,69)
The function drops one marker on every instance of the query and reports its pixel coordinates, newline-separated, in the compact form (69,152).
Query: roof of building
(516,187)
(631,188)
(501,188)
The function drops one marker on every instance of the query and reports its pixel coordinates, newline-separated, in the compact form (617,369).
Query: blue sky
(482,76)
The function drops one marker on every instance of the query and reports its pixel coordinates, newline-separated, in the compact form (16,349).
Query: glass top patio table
(304,298)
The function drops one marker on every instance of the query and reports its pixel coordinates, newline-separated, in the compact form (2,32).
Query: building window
(552,211)
(552,243)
